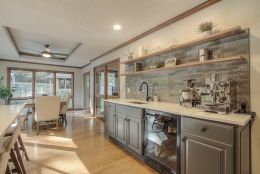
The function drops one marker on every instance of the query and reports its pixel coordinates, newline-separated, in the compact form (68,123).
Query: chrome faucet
(147,96)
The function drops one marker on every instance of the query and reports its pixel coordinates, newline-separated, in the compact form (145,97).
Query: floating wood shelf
(219,60)
(210,38)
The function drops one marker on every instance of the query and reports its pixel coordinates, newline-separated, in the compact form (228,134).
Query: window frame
(9,69)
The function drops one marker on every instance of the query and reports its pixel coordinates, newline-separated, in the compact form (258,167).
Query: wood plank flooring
(82,147)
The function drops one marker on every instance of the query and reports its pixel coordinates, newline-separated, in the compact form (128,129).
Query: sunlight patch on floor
(49,140)
(48,161)
(79,113)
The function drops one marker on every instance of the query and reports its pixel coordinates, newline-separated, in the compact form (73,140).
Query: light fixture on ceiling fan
(47,52)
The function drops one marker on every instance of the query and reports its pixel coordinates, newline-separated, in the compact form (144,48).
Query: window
(28,83)
(61,83)
(68,83)
(21,83)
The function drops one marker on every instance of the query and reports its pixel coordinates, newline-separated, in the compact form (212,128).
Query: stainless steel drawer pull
(202,129)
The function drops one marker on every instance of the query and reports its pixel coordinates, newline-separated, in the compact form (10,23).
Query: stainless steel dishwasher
(162,141)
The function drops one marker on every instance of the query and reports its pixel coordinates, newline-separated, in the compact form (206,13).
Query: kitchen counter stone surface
(231,118)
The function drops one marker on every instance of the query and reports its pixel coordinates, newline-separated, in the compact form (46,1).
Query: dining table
(30,103)
(8,114)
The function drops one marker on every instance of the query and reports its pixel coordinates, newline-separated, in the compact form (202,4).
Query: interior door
(86,83)
(112,81)
(100,91)
(106,85)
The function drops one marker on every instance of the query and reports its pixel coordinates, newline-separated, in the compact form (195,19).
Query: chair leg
(8,170)
(37,128)
(18,154)
(22,147)
(57,123)
(15,161)
(65,118)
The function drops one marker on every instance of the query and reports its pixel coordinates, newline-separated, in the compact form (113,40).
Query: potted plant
(130,54)
(5,92)
(206,28)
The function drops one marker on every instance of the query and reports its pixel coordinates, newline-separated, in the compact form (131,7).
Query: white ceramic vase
(206,33)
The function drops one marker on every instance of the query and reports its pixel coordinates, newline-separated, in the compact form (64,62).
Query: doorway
(106,85)
(86,82)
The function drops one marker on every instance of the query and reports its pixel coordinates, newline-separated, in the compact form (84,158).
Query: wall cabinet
(125,126)
(209,147)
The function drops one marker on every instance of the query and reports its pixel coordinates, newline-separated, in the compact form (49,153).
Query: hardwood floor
(80,147)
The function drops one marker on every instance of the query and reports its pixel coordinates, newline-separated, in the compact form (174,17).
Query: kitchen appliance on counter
(162,141)
(218,96)
(188,96)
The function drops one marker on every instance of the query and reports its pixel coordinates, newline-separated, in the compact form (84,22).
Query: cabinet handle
(202,129)
(109,106)
(183,139)
(114,115)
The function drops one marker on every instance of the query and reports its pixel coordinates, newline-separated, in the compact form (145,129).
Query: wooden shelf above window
(210,38)
(219,60)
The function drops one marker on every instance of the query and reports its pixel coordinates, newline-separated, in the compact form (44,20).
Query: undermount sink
(137,102)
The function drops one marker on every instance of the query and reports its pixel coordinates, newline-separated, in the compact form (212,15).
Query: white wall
(77,76)
(227,14)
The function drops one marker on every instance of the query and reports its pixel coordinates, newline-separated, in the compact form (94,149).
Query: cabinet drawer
(128,110)
(110,106)
(216,131)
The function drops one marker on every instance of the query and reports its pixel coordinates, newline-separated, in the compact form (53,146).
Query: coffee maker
(188,96)
(218,96)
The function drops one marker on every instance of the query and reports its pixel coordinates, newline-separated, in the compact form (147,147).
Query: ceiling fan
(47,52)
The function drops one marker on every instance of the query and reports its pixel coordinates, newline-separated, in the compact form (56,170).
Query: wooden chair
(10,145)
(64,108)
(4,167)
(47,110)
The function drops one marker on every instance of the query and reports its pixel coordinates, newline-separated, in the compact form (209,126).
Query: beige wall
(227,14)
(77,76)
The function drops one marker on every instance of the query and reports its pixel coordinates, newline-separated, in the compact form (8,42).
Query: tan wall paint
(227,14)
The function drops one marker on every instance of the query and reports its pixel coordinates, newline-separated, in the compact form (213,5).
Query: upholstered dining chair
(64,108)
(47,110)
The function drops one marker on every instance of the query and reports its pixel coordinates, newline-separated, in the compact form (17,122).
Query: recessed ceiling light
(117,27)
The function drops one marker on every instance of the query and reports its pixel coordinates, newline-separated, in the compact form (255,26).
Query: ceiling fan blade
(31,49)
(61,54)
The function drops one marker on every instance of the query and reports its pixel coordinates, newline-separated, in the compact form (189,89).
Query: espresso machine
(218,96)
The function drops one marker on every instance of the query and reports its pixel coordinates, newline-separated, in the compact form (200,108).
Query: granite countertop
(231,118)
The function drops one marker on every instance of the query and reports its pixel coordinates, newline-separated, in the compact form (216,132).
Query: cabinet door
(121,128)
(110,122)
(204,156)
(134,132)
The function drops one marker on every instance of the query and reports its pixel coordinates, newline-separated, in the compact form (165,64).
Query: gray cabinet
(215,148)
(129,127)
(134,134)
(207,147)
(124,124)
(110,118)
(121,128)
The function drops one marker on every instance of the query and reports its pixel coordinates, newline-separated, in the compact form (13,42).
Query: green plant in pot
(130,54)
(5,92)
(206,27)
